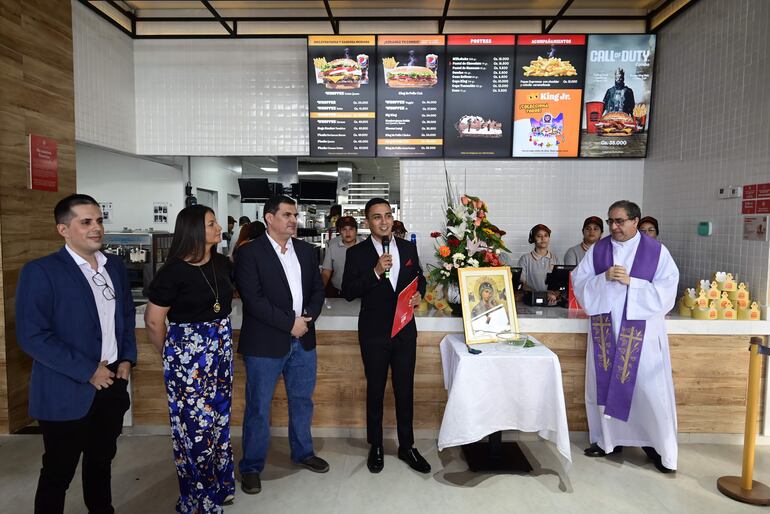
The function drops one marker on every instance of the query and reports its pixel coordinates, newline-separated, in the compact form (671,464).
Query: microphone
(386,249)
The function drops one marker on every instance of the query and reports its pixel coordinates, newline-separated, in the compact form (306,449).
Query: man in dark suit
(377,277)
(75,317)
(280,284)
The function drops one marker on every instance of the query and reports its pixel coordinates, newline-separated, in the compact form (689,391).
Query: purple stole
(617,363)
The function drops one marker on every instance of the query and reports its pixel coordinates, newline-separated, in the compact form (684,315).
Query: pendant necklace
(217,307)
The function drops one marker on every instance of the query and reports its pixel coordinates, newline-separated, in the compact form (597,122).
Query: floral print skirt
(198,371)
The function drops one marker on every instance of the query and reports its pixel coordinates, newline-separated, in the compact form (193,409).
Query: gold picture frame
(487,300)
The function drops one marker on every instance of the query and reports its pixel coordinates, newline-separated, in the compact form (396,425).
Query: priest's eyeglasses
(100,281)
(616,221)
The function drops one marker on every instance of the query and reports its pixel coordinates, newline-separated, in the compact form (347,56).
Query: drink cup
(594,112)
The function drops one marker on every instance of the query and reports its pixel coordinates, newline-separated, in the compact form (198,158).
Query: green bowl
(513,339)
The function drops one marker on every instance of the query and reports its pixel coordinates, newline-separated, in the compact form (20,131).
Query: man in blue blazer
(280,284)
(75,318)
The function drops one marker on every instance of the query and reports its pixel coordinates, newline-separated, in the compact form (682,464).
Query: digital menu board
(547,104)
(410,96)
(479,95)
(618,89)
(342,95)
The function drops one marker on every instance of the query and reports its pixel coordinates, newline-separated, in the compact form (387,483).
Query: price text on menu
(342,95)
(410,96)
(479,95)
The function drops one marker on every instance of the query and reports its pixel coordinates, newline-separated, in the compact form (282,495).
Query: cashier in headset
(536,264)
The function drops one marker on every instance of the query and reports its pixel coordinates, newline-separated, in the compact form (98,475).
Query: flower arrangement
(469,240)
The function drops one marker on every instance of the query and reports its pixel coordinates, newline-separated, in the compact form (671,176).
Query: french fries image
(388,63)
(319,63)
(550,67)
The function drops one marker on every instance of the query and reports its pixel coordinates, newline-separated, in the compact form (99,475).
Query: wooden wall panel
(340,393)
(37,81)
(709,378)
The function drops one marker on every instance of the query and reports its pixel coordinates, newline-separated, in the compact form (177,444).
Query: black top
(181,286)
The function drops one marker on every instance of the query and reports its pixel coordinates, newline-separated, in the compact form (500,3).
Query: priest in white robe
(627,283)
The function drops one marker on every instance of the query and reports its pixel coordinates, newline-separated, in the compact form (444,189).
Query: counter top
(341,315)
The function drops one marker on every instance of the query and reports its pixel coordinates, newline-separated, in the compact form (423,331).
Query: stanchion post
(752,415)
(744,488)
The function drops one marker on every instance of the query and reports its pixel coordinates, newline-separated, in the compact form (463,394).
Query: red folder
(573,303)
(404,311)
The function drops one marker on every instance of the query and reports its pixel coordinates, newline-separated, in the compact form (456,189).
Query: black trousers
(95,437)
(398,354)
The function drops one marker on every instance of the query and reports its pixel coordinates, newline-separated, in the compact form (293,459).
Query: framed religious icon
(489,310)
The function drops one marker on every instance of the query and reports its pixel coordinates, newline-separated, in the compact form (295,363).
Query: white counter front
(341,315)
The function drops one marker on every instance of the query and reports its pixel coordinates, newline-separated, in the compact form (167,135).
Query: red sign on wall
(43,163)
(763,206)
(749,207)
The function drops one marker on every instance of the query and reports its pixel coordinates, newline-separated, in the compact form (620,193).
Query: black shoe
(250,483)
(416,461)
(376,460)
(657,459)
(595,451)
(315,464)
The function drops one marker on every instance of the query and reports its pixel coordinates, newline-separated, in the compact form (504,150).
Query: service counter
(709,362)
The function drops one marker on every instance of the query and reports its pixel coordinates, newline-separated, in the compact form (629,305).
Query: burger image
(616,124)
(341,74)
(411,76)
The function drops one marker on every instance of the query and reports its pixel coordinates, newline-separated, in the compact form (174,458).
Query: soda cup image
(363,62)
(431,62)
(594,112)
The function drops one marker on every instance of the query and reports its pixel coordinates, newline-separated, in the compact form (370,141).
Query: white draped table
(502,388)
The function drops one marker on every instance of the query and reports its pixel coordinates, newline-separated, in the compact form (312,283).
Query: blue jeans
(299,371)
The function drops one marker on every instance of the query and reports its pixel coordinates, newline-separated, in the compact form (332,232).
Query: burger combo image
(341,73)
(616,124)
(409,76)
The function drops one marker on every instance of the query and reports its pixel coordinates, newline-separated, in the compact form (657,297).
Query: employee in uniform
(593,227)
(334,260)
(536,264)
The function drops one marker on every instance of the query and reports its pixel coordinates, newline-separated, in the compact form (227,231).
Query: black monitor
(516,277)
(558,278)
(317,190)
(254,189)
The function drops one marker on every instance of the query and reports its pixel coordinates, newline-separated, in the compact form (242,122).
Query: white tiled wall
(711,128)
(215,97)
(520,194)
(104,82)
(131,184)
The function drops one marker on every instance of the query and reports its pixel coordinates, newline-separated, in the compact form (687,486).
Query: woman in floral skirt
(193,290)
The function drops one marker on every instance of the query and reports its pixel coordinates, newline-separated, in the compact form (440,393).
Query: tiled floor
(144,481)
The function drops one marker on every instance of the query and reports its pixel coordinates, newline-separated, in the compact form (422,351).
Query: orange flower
(444,251)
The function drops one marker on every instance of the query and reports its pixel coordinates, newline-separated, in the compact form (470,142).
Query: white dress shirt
(293,271)
(104,307)
(392,250)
